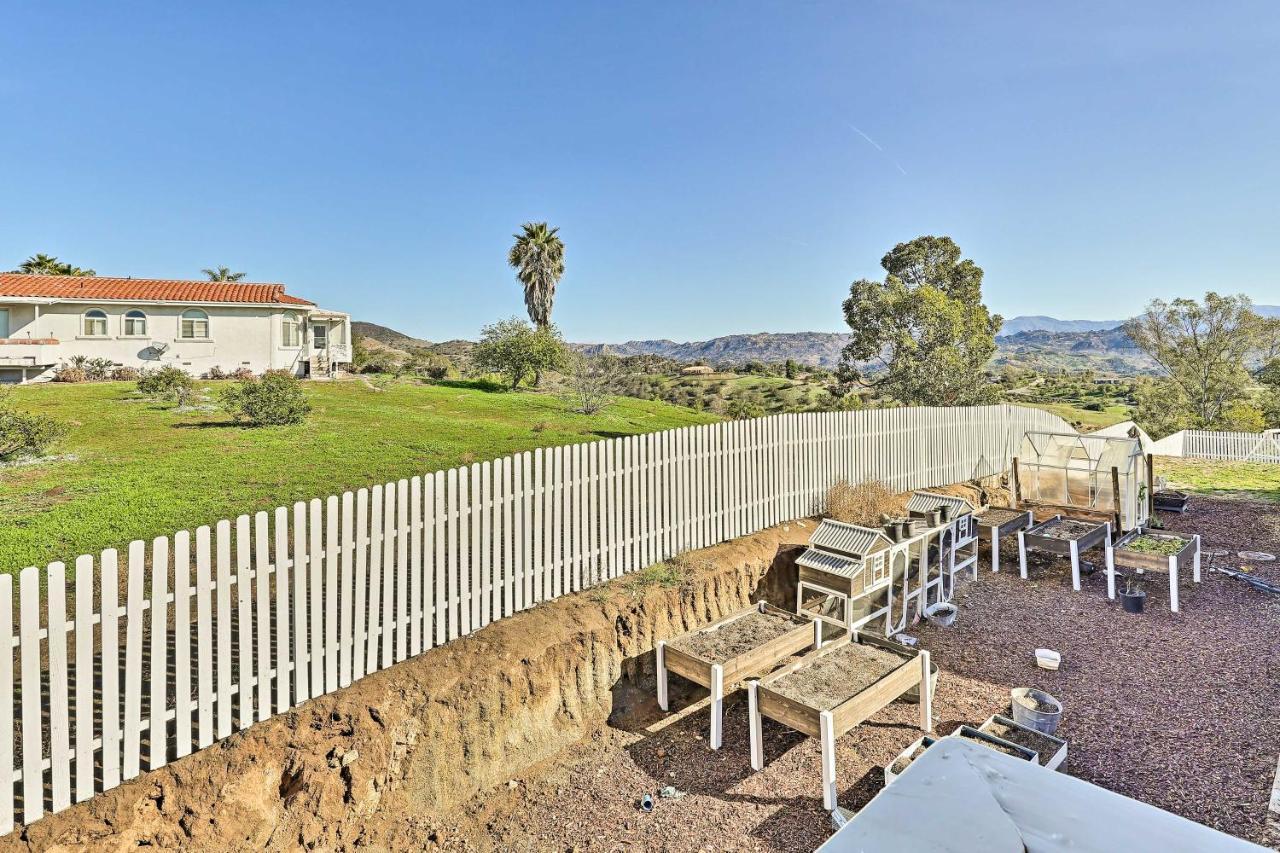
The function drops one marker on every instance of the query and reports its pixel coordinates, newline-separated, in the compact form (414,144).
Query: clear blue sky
(714,167)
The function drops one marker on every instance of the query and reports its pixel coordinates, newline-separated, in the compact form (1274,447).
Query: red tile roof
(143,289)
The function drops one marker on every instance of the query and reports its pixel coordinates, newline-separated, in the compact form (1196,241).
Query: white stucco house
(46,320)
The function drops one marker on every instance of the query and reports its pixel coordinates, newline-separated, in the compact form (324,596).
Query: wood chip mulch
(1178,710)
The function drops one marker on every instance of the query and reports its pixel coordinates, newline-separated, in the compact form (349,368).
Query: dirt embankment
(375,764)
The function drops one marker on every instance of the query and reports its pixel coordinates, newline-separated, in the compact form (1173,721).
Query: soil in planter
(998,747)
(838,676)
(1034,741)
(738,637)
(904,761)
(1037,704)
(1067,529)
(999,517)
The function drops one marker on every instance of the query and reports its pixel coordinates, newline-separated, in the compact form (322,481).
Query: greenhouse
(1103,474)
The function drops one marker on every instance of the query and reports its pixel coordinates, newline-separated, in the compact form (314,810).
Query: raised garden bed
(899,765)
(1051,751)
(1168,500)
(994,524)
(834,689)
(1064,536)
(1147,550)
(999,744)
(721,655)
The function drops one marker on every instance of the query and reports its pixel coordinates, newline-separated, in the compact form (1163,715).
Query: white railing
(1220,445)
(248,618)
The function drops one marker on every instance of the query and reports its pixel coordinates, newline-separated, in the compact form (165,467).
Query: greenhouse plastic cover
(1089,452)
(962,796)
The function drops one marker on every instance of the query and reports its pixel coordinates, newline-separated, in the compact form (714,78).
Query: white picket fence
(248,618)
(1220,445)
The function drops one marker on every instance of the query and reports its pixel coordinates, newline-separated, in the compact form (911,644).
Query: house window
(135,324)
(320,334)
(292,334)
(195,325)
(95,323)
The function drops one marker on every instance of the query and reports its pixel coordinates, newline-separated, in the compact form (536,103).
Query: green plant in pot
(1133,597)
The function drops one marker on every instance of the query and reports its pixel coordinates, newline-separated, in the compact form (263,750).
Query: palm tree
(538,259)
(222,274)
(41,264)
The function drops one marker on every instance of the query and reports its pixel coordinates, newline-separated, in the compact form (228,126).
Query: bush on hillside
(276,399)
(125,374)
(215,373)
(167,383)
(70,373)
(515,350)
(25,433)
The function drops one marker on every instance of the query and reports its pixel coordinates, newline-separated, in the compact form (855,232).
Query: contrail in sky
(876,145)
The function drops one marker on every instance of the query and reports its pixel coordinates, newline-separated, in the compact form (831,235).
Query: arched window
(291,334)
(95,323)
(195,324)
(135,324)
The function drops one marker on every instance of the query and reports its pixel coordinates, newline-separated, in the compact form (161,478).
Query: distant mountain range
(1025,341)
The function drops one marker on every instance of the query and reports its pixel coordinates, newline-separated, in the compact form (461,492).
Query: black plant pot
(1133,602)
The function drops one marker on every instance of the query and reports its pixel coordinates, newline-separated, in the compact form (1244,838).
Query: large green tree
(922,335)
(41,264)
(1203,349)
(516,350)
(222,274)
(538,259)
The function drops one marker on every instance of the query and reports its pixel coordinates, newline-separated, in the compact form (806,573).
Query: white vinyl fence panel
(252,616)
(1229,446)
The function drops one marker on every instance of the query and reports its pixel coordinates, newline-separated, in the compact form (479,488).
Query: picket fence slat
(291,605)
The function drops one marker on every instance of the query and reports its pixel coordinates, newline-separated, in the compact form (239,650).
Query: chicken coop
(951,520)
(1101,475)
(847,573)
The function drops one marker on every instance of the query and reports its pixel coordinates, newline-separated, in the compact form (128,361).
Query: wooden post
(1151,485)
(1017,484)
(717,705)
(1115,497)
(1173,582)
(827,729)
(754,722)
(926,693)
(1022,555)
(1111,566)
(661,654)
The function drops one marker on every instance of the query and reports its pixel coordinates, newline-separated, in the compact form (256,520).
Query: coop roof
(848,539)
(832,564)
(1072,451)
(927,501)
(981,799)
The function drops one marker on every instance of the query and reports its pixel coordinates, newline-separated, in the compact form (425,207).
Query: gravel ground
(1178,710)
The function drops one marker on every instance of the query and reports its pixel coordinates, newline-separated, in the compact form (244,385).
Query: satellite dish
(159,346)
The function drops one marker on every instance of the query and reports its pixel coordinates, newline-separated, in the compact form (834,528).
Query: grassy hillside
(1084,420)
(136,469)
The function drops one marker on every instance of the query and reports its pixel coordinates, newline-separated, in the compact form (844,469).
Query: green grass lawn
(1086,419)
(1252,480)
(137,469)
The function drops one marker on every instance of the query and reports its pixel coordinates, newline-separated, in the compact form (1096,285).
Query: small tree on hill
(922,335)
(275,399)
(515,350)
(167,383)
(592,382)
(25,433)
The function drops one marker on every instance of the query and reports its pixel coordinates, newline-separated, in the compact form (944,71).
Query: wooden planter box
(1098,535)
(1052,756)
(827,724)
(918,746)
(1187,557)
(1170,501)
(996,524)
(722,676)
(997,743)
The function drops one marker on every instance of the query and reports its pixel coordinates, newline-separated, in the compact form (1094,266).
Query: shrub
(515,349)
(25,433)
(70,373)
(125,374)
(591,383)
(242,373)
(167,383)
(215,372)
(862,504)
(98,369)
(276,399)
(749,404)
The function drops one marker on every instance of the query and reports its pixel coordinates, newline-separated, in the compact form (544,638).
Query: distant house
(47,320)
(696,370)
